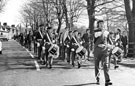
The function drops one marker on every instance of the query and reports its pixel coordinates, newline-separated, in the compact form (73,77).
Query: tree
(58,4)
(91,7)
(2,4)
(130,14)
(73,10)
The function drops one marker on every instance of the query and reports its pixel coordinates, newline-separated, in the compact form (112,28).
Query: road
(19,68)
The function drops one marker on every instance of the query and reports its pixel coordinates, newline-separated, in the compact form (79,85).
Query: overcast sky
(11,13)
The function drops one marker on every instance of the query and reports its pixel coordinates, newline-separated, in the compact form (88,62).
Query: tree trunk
(90,10)
(59,25)
(130,14)
(65,13)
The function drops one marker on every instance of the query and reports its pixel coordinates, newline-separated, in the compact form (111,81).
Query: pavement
(18,67)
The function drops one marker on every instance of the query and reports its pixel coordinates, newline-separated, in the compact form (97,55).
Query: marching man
(101,52)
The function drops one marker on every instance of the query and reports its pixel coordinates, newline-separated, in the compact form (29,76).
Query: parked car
(0,47)
(4,36)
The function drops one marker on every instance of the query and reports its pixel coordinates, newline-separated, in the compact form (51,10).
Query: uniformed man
(34,41)
(79,58)
(111,55)
(74,45)
(86,40)
(118,43)
(38,39)
(47,41)
(101,52)
(63,37)
(68,45)
(60,45)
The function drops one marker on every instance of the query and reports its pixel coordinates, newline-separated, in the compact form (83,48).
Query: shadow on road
(58,64)
(81,84)
(130,65)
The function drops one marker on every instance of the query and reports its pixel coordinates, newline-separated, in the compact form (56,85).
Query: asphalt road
(19,68)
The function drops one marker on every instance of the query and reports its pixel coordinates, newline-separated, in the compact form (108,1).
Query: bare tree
(2,4)
(130,14)
(74,9)
(94,7)
(59,12)
(65,10)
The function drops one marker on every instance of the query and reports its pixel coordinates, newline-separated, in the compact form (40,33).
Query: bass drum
(117,51)
(81,51)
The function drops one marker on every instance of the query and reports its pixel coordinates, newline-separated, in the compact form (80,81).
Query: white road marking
(36,63)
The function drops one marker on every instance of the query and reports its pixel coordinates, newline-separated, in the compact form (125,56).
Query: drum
(53,50)
(81,51)
(117,51)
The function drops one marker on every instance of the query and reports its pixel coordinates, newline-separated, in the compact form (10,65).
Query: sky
(11,13)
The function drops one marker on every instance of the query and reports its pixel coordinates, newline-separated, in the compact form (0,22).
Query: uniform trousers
(101,55)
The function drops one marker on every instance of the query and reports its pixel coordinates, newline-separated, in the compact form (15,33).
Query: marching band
(72,47)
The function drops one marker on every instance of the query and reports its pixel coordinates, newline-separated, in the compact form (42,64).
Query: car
(4,35)
(0,47)
(3,38)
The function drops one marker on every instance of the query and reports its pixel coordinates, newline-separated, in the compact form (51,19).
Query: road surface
(19,68)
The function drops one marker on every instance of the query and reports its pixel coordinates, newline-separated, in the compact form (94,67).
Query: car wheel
(0,52)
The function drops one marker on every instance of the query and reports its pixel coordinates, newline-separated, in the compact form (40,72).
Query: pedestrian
(21,39)
(25,39)
(124,43)
(101,52)
(29,40)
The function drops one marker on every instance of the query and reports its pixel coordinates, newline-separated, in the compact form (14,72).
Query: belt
(101,45)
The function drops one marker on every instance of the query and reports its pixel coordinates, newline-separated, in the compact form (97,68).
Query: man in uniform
(34,41)
(68,45)
(63,37)
(38,38)
(74,46)
(86,40)
(48,37)
(101,52)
